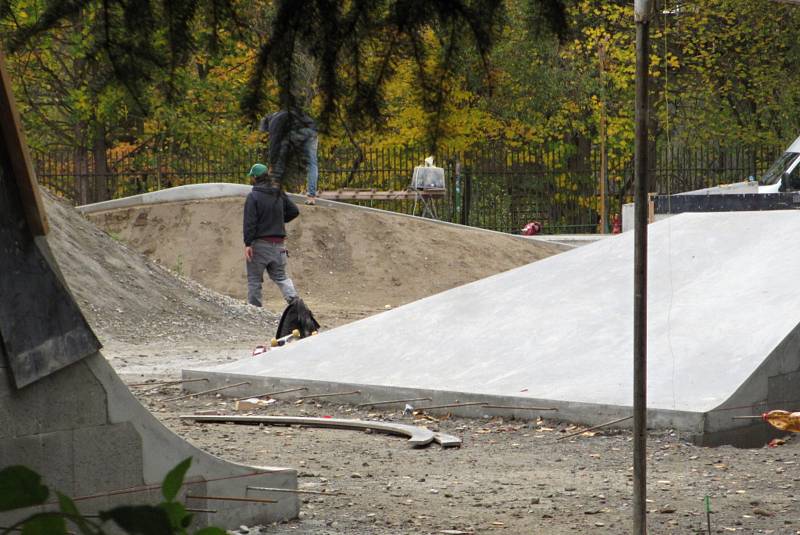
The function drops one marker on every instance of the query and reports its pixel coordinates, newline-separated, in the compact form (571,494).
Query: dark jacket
(288,134)
(266,210)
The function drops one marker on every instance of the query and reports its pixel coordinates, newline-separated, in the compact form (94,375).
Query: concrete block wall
(89,438)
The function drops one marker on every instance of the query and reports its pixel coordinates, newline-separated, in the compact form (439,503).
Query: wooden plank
(41,327)
(352,194)
(16,147)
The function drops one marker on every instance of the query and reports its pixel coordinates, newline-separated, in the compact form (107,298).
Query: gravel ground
(509,476)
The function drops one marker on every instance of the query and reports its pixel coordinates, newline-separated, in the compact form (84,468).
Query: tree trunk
(101,175)
(83,189)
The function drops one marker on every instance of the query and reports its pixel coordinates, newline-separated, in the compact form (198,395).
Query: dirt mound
(346,263)
(130,299)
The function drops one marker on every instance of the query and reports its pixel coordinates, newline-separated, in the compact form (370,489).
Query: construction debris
(418,436)
(207,391)
(252,403)
(612,422)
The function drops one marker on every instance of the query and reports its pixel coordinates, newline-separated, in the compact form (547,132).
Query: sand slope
(346,263)
(128,298)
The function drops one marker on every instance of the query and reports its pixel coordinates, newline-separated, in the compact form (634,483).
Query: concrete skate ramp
(63,410)
(722,323)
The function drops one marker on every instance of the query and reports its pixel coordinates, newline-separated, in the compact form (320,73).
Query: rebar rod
(231,499)
(295,491)
(207,391)
(148,390)
(595,427)
(164,383)
(329,395)
(466,404)
(391,401)
(520,408)
(265,394)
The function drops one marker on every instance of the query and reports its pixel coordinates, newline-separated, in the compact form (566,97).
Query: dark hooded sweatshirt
(266,210)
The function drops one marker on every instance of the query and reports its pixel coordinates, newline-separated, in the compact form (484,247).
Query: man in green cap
(266,211)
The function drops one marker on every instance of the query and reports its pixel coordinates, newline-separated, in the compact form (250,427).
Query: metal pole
(642,12)
(601,54)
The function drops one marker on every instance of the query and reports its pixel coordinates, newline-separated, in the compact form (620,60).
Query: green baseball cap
(257,170)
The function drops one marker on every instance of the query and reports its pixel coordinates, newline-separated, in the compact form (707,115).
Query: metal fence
(495,188)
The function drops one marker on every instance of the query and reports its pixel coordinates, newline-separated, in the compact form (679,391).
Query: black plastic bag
(297,316)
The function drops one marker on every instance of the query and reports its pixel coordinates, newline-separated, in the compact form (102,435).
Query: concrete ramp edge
(90,438)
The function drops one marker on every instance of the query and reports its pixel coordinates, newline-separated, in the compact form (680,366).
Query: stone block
(69,398)
(84,399)
(6,418)
(107,458)
(22,450)
(49,454)
(6,381)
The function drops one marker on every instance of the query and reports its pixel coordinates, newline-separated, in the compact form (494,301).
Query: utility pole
(643,12)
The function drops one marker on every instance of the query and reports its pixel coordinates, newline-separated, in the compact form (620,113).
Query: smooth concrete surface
(570,240)
(190,192)
(89,438)
(722,316)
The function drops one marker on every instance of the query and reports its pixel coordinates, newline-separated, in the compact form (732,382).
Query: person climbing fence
(293,145)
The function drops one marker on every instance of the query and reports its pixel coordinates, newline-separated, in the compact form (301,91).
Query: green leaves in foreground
(21,487)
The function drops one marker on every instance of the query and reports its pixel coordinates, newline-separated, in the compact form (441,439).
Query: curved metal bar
(447,441)
(418,436)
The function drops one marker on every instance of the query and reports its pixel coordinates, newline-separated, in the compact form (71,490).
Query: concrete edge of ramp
(87,435)
(217,190)
(162,449)
(773,385)
(578,413)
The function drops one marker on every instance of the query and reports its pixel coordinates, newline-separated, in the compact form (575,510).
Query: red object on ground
(616,224)
(326,416)
(531,229)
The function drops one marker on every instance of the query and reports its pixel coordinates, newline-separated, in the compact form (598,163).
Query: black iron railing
(497,188)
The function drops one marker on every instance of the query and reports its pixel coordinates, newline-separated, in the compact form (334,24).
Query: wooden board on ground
(355,194)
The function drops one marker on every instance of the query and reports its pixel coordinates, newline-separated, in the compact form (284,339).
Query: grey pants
(272,257)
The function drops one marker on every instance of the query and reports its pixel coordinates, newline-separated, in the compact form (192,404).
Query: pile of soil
(346,263)
(129,299)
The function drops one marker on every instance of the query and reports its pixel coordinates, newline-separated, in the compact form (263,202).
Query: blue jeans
(301,144)
(313,170)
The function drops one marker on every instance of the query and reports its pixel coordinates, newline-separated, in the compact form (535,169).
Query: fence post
(457,211)
(158,168)
(466,197)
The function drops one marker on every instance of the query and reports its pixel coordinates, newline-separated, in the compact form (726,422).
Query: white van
(784,173)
